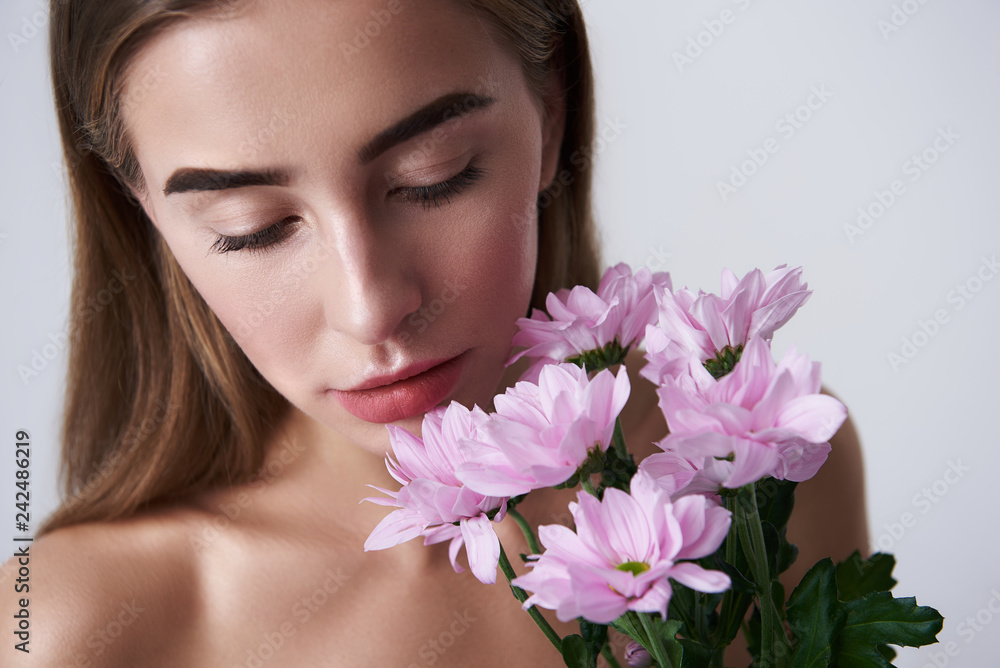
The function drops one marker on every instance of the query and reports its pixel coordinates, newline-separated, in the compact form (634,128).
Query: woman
(334,213)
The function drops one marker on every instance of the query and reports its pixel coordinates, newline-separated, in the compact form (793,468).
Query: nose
(373,285)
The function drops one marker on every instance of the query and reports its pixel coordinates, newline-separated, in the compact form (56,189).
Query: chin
(372,437)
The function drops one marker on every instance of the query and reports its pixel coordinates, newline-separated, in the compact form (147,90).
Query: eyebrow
(428,117)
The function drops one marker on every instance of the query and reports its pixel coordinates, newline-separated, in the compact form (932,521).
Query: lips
(396,400)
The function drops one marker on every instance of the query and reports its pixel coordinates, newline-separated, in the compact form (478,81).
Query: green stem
(522,596)
(587,485)
(734,606)
(752,538)
(656,647)
(529,535)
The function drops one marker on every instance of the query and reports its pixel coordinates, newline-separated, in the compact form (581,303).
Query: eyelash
(433,194)
(426,196)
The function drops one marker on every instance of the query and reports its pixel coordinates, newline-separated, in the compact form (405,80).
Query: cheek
(497,259)
(273,321)
(504,267)
(258,308)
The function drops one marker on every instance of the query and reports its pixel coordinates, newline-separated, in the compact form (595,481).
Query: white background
(672,132)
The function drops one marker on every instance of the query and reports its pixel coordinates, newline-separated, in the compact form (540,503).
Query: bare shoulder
(830,516)
(120,593)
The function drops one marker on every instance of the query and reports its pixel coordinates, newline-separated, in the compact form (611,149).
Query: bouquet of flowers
(675,551)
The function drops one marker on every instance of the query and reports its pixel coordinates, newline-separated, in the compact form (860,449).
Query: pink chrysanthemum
(625,550)
(706,324)
(760,419)
(542,433)
(579,321)
(432,498)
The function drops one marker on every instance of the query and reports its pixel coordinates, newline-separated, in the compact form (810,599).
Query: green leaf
(574,651)
(772,546)
(628,625)
(668,631)
(787,555)
(857,577)
(631,625)
(741,584)
(696,610)
(881,619)
(694,655)
(815,616)
(775,500)
(831,629)
(595,636)
(887,652)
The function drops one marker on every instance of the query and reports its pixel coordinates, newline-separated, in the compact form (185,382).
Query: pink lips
(397,400)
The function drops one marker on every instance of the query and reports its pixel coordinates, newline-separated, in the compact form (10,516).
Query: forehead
(325,74)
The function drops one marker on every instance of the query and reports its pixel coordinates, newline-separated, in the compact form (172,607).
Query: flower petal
(482,547)
(397,527)
(817,417)
(694,576)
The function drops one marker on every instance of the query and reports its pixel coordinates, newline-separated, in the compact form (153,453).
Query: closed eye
(426,196)
(256,241)
(433,194)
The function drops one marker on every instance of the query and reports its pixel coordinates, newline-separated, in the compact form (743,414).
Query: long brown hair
(160,401)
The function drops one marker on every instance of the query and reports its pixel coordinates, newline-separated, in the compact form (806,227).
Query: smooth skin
(274,570)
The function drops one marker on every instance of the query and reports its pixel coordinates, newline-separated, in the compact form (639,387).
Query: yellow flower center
(633,567)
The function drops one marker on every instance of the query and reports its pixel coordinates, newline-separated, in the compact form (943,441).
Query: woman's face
(351,187)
